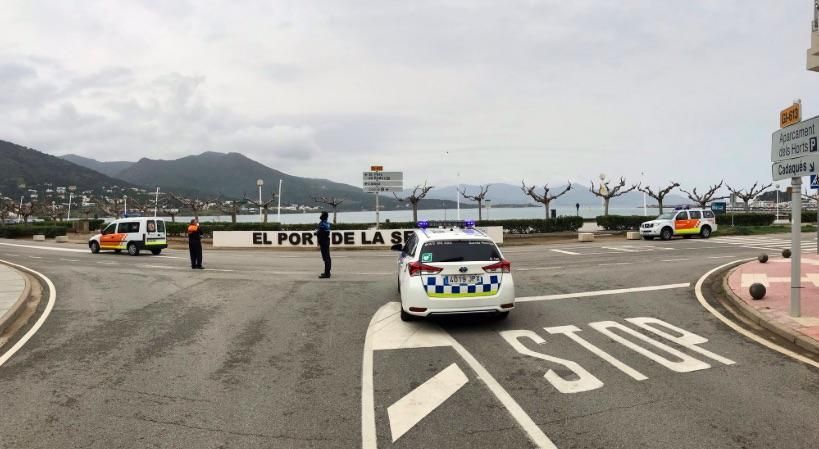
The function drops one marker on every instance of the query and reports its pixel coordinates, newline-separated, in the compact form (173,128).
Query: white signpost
(377,181)
(794,154)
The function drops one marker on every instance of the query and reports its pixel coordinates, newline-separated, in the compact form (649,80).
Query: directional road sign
(795,168)
(383,181)
(795,141)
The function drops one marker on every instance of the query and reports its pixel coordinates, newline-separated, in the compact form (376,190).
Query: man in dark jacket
(195,244)
(323,237)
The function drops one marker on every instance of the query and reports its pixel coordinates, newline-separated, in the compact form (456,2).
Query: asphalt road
(255,351)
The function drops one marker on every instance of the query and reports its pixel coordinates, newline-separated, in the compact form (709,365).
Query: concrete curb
(753,315)
(14,311)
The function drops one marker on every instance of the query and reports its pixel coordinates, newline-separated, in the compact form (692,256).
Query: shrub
(18,231)
(748,219)
(623,222)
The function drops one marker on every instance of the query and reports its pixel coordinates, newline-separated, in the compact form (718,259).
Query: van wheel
(132,249)
(666,234)
(705,232)
(156,252)
(95,247)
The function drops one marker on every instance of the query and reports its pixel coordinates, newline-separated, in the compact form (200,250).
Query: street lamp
(603,191)
(777,201)
(125,206)
(260,183)
(70,197)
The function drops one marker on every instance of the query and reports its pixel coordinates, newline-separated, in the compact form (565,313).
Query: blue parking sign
(814,184)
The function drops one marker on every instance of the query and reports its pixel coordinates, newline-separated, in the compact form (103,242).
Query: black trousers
(325,256)
(195,248)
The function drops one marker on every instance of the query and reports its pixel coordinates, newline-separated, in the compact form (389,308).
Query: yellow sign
(376,168)
(790,115)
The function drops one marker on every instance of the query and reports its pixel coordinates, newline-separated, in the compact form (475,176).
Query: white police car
(453,270)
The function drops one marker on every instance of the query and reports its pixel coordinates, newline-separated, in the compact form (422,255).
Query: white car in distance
(451,270)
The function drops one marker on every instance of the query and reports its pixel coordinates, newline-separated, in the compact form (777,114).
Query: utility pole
(260,183)
(156,201)
(279,207)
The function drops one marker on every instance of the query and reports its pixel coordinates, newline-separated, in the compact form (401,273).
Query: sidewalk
(14,290)
(773,311)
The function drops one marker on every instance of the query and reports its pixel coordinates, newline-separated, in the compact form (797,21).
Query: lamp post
(20,210)
(156,201)
(260,183)
(125,206)
(603,191)
(70,197)
(279,206)
(777,201)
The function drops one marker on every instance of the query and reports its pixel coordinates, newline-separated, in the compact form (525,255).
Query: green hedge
(537,226)
(17,231)
(749,219)
(623,222)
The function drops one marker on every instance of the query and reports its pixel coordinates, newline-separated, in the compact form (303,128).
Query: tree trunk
(335,211)
(480,217)
(747,205)
(546,206)
(415,212)
(660,204)
(233,217)
(265,215)
(606,206)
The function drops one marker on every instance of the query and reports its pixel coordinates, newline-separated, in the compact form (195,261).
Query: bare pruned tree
(112,206)
(418,193)
(748,195)
(703,199)
(143,207)
(607,192)
(660,194)
(24,211)
(196,205)
(232,208)
(264,205)
(479,197)
(330,201)
(53,211)
(6,209)
(546,197)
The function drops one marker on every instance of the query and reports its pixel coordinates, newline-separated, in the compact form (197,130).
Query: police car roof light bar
(469,224)
(423,224)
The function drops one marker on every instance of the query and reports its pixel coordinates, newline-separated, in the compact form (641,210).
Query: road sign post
(377,180)
(794,154)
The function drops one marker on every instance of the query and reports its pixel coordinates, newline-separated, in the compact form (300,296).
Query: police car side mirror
(397,247)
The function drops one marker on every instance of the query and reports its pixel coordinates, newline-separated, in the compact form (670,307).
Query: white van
(132,234)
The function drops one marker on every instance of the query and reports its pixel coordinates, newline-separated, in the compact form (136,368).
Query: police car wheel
(156,252)
(95,247)
(406,316)
(132,249)
(705,232)
(666,234)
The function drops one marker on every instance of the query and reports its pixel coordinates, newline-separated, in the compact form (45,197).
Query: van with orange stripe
(131,234)
(683,221)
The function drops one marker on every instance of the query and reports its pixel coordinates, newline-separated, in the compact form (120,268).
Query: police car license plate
(460,279)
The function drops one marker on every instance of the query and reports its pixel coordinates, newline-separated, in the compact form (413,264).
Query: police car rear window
(707,214)
(160,226)
(459,251)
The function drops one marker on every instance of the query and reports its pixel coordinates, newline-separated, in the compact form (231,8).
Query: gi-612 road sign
(795,141)
(383,181)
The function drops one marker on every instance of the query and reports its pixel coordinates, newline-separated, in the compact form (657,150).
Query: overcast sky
(497,91)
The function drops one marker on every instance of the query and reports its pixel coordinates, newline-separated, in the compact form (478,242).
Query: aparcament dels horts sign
(794,151)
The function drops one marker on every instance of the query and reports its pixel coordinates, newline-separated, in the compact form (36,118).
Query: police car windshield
(666,216)
(459,251)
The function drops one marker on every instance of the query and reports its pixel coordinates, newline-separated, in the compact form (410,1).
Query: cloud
(547,90)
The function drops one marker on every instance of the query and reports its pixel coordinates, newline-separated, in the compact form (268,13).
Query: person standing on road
(195,244)
(323,237)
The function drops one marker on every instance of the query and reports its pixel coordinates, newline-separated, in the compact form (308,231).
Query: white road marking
(169,257)
(52,297)
(602,292)
(686,339)
(108,263)
(537,268)
(623,249)
(387,331)
(737,327)
(35,257)
(69,260)
(721,257)
(571,332)
(571,253)
(420,402)
(613,263)
(47,248)
(10,254)
(685,365)
(674,260)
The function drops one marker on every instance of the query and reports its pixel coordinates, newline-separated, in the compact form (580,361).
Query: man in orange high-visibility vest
(195,244)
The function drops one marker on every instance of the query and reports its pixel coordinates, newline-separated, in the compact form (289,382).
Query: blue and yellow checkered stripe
(435,288)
